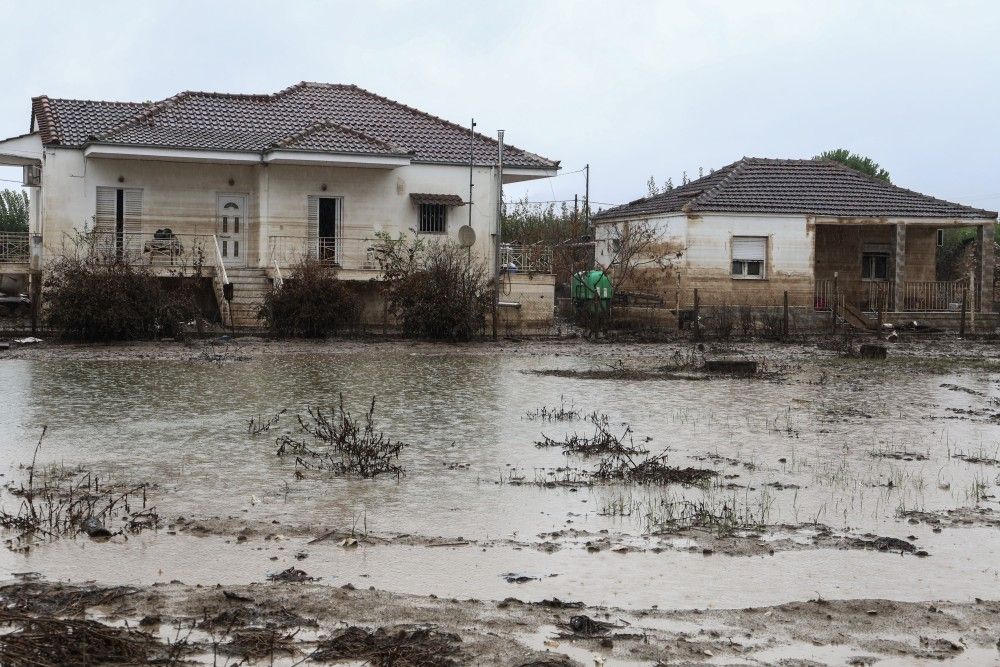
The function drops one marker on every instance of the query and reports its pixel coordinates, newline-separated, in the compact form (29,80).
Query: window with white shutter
(118,219)
(749,256)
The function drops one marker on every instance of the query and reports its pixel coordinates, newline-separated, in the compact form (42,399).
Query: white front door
(231,228)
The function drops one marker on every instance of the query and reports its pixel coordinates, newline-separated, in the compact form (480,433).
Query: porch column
(984,266)
(899,250)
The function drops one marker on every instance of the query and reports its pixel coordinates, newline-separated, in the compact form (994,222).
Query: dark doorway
(328,230)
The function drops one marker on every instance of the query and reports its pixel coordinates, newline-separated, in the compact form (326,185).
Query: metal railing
(159,248)
(339,251)
(534,258)
(220,263)
(934,295)
(872,296)
(15,248)
(868,296)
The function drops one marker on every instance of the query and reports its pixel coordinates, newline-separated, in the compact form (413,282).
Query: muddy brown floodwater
(850,512)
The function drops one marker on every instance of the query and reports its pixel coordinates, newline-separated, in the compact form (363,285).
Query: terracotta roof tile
(325,117)
(807,187)
(427,198)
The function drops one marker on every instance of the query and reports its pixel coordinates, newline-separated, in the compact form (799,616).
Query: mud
(333,624)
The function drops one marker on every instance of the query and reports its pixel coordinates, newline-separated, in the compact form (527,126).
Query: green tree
(13,210)
(861,163)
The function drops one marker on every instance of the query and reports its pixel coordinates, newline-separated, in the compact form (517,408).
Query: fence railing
(343,252)
(534,258)
(935,295)
(158,248)
(872,296)
(14,248)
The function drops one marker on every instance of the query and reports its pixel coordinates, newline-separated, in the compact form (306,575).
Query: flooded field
(819,478)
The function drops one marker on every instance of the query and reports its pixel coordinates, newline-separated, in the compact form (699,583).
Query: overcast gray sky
(635,89)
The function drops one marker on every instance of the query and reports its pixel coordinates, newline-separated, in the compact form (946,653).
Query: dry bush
(341,444)
(720,321)
(311,303)
(93,300)
(436,291)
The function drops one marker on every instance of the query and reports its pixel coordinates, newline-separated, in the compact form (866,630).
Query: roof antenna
(472,146)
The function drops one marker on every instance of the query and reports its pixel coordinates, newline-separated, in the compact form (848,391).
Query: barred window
(433,218)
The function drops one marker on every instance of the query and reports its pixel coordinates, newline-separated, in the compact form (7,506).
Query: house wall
(534,294)
(182,196)
(705,244)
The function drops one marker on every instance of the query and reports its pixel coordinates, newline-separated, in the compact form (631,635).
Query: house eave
(136,152)
(313,158)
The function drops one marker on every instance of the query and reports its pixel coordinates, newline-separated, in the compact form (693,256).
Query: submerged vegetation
(56,502)
(335,441)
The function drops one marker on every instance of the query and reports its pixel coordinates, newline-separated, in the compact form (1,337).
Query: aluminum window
(749,256)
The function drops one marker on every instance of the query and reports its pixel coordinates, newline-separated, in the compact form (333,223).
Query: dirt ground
(292,622)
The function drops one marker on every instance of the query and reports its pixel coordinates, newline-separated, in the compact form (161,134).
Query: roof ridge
(735,169)
(45,107)
(431,116)
(327,123)
(148,112)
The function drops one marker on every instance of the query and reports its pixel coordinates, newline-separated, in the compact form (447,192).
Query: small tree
(436,291)
(312,302)
(640,257)
(861,163)
(13,210)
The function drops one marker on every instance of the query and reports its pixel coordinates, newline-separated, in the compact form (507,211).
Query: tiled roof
(809,187)
(334,138)
(70,122)
(323,116)
(427,198)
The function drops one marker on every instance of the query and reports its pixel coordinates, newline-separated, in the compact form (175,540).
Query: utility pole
(586,198)
(496,237)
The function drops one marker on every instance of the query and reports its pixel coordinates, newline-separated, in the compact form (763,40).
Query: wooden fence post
(833,305)
(697,315)
(784,323)
(961,322)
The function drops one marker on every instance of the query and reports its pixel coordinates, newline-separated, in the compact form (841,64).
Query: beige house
(242,187)
(758,227)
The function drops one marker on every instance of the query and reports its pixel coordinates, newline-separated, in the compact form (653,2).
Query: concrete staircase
(249,287)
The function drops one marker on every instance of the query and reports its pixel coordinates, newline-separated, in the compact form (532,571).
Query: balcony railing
(158,248)
(14,248)
(346,253)
(534,258)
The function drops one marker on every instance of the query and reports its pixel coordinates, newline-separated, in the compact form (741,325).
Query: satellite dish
(466,236)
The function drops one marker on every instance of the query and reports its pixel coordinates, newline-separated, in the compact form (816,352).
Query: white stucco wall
(182,196)
(706,243)
(709,245)
(672,229)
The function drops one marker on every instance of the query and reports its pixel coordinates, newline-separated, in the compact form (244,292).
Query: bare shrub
(436,291)
(772,323)
(57,502)
(311,303)
(746,321)
(721,321)
(342,444)
(93,300)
